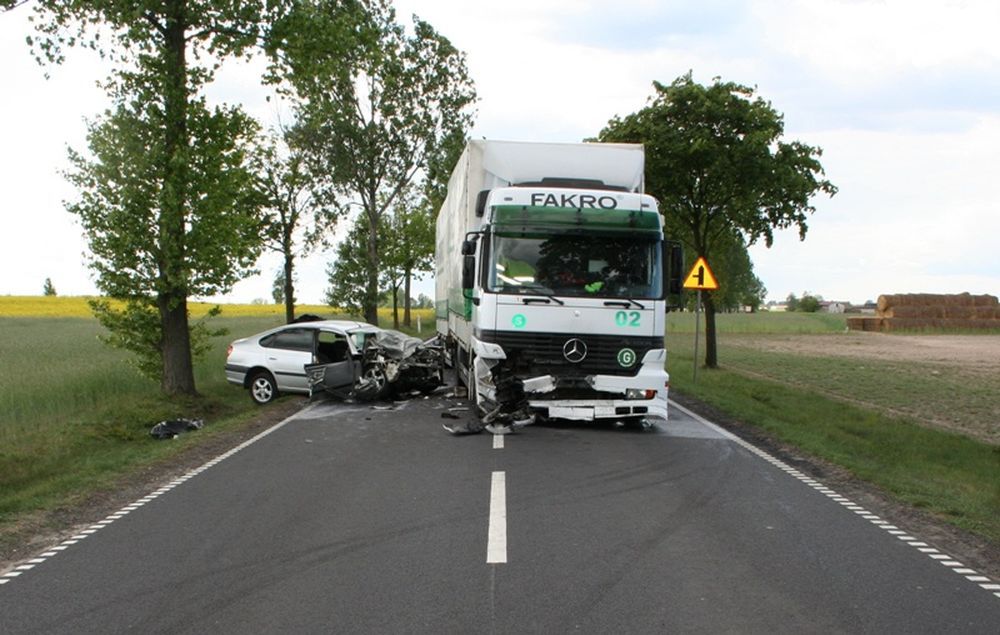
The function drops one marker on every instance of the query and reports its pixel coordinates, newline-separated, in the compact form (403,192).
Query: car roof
(344,325)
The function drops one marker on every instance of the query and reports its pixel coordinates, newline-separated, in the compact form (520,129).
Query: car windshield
(360,336)
(576,265)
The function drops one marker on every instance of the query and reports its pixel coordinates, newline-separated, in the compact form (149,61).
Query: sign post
(700,278)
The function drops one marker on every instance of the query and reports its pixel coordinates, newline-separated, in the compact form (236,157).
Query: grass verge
(948,475)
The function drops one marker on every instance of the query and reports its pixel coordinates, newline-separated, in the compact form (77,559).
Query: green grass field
(75,414)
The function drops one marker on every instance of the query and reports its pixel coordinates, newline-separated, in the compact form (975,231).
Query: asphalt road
(352,519)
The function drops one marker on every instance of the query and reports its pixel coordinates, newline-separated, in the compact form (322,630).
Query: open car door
(335,370)
(336,378)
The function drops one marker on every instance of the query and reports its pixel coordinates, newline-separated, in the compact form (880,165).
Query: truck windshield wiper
(548,298)
(627,302)
(540,290)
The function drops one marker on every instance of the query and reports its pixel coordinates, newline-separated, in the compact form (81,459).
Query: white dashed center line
(497,441)
(496,544)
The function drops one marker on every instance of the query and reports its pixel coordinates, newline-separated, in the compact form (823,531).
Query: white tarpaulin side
(512,162)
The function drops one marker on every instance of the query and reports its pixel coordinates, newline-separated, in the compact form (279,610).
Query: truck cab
(568,296)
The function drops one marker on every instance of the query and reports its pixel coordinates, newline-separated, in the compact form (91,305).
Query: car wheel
(262,388)
(374,382)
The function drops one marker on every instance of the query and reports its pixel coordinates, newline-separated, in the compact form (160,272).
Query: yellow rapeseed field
(76,306)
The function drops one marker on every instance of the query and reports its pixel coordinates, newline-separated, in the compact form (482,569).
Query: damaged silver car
(390,365)
(344,358)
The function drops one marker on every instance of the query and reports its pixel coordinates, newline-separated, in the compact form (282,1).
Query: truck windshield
(576,265)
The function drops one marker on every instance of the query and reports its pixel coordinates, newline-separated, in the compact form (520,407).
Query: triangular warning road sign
(701,277)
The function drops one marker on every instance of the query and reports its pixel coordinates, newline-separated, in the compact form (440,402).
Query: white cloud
(902,96)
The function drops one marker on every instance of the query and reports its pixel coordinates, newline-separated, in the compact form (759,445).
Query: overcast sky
(902,95)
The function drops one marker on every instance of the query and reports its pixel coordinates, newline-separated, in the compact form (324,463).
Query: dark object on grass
(170,429)
(307,317)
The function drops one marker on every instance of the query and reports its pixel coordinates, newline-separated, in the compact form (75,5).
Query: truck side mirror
(675,267)
(468,271)
(468,247)
(481,202)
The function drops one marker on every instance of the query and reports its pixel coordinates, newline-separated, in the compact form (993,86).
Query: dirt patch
(974,551)
(974,353)
(32,534)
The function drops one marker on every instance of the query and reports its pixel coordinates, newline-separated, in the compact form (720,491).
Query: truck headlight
(638,393)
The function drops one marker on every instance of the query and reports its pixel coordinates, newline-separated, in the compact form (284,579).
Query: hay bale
(864,323)
(916,311)
(889,302)
(965,312)
(927,324)
(987,313)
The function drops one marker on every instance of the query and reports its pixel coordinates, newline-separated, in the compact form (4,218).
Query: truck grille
(534,354)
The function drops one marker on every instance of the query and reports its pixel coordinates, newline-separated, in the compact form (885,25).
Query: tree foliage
(376,103)
(296,219)
(808,303)
(739,286)
(348,274)
(165,198)
(120,184)
(716,160)
(408,236)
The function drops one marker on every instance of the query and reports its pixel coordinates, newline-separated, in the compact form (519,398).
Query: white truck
(552,279)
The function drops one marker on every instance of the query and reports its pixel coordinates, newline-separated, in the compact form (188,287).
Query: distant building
(833,306)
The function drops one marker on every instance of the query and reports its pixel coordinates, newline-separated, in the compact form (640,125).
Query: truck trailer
(552,282)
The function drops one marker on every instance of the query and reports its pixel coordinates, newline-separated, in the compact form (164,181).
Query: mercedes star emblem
(574,350)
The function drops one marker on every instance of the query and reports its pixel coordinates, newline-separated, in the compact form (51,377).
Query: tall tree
(296,220)
(374,105)
(716,160)
(408,237)
(133,246)
(162,202)
(348,272)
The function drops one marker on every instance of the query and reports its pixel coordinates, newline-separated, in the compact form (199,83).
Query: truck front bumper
(651,379)
(594,410)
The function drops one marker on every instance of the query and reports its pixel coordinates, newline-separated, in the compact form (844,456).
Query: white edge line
(906,537)
(51,552)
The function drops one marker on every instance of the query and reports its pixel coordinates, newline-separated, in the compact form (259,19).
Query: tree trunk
(711,349)
(395,306)
(406,297)
(289,288)
(178,370)
(371,291)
